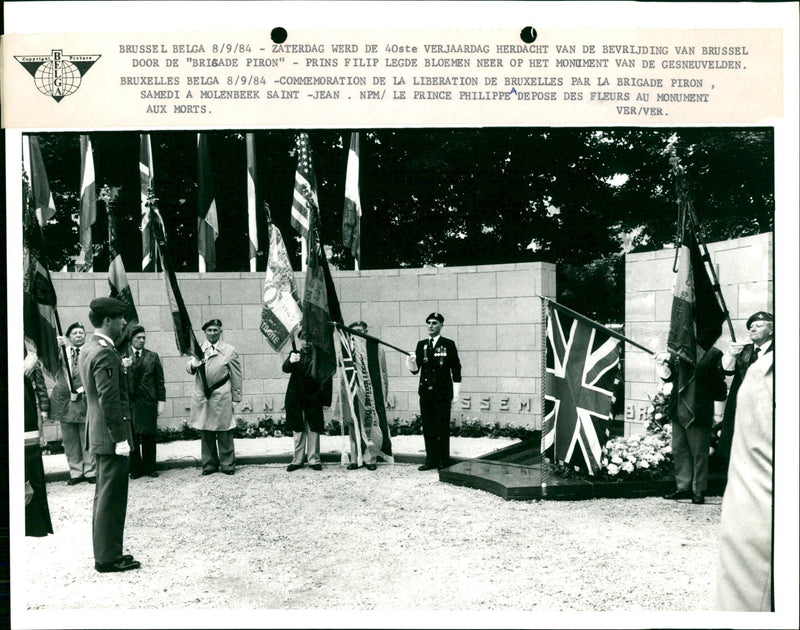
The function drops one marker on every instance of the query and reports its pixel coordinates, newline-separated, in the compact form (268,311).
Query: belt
(210,390)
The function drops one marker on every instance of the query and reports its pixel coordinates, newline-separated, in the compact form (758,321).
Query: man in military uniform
(436,360)
(736,360)
(108,433)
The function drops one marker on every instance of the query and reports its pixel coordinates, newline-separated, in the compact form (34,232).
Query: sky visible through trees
(577,197)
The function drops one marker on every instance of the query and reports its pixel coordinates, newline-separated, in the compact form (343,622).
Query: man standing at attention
(436,359)
(217,388)
(148,396)
(108,433)
(69,407)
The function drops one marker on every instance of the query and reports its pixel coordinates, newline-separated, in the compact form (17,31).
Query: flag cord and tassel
(591,322)
(686,214)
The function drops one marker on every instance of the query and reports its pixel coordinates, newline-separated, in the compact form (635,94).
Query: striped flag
(88,212)
(305,188)
(43,202)
(695,322)
(252,201)
(39,316)
(145,184)
(207,222)
(117,278)
(185,339)
(581,372)
(351,217)
(281,313)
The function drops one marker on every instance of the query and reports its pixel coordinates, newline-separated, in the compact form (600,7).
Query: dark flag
(695,323)
(39,317)
(185,339)
(42,198)
(351,217)
(88,213)
(207,221)
(377,373)
(117,278)
(581,372)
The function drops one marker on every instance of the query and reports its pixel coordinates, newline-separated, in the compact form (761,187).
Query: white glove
(195,363)
(456,391)
(62,340)
(161,405)
(122,448)
(127,362)
(294,357)
(735,348)
(411,363)
(29,363)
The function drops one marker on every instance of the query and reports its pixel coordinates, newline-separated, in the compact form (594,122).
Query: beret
(759,316)
(107,307)
(212,322)
(436,316)
(72,327)
(136,330)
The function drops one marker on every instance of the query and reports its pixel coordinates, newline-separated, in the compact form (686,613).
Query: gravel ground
(393,539)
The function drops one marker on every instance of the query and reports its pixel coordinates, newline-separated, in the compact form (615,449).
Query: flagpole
(370,337)
(595,324)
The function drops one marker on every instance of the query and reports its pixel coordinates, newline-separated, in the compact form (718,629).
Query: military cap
(212,322)
(760,316)
(72,327)
(107,307)
(437,316)
(136,330)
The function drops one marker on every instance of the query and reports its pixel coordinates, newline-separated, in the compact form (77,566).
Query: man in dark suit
(692,414)
(305,397)
(147,396)
(738,358)
(436,360)
(108,433)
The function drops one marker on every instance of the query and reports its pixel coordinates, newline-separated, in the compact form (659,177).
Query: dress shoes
(426,467)
(293,467)
(118,565)
(207,472)
(153,474)
(91,480)
(135,475)
(353,467)
(316,466)
(372,467)
(74,481)
(698,498)
(229,472)
(679,494)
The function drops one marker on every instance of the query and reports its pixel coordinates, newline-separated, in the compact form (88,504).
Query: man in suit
(436,360)
(738,358)
(745,566)
(217,388)
(68,406)
(692,415)
(148,396)
(108,433)
(305,398)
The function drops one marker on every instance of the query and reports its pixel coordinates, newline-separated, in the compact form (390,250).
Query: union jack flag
(582,369)
(353,393)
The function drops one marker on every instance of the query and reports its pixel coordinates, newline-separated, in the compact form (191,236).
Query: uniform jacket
(743,361)
(61,407)
(107,405)
(146,389)
(215,413)
(745,542)
(303,390)
(439,367)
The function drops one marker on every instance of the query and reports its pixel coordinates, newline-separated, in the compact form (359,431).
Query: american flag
(305,183)
(582,369)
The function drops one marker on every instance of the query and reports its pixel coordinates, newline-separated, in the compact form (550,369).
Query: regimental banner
(281,313)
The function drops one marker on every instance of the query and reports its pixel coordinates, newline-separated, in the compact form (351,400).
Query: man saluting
(108,433)
(436,360)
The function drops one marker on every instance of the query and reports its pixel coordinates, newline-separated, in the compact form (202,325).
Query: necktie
(756,352)
(75,353)
(138,355)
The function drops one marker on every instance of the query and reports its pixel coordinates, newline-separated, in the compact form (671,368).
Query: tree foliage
(572,196)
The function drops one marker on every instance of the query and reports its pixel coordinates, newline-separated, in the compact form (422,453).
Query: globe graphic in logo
(57,78)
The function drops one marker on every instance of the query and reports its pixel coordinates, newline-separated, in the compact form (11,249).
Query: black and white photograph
(405,374)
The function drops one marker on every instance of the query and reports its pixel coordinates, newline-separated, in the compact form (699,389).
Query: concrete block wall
(491,312)
(744,267)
